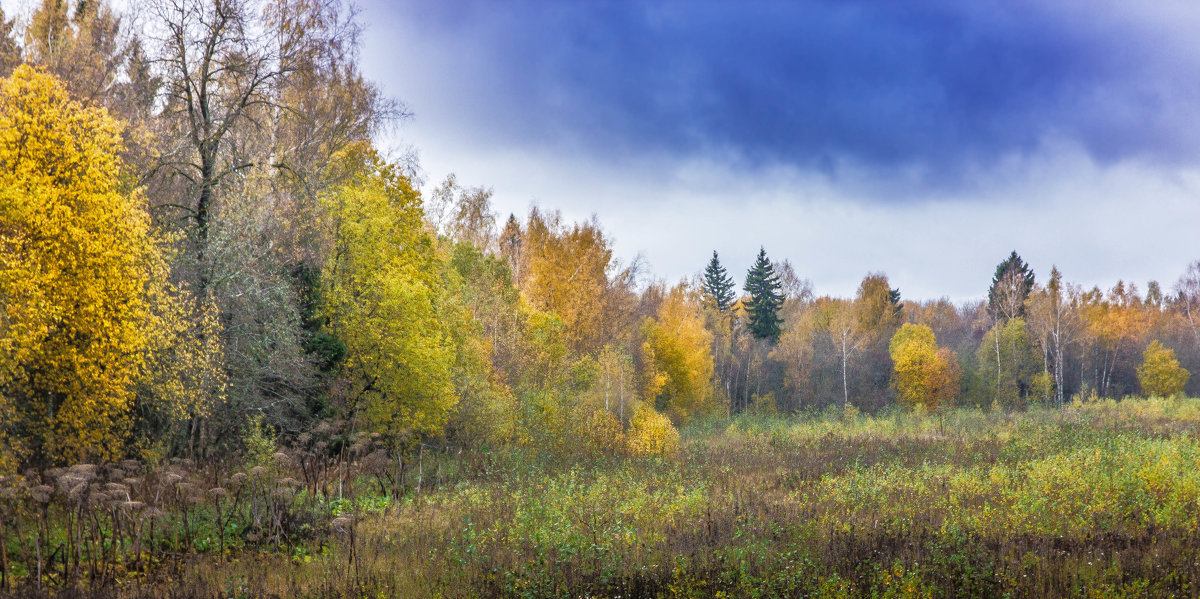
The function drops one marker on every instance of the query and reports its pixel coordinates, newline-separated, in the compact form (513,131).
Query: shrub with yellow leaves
(924,375)
(601,430)
(1160,373)
(651,434)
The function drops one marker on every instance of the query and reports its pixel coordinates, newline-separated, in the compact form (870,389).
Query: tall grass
(1098,499)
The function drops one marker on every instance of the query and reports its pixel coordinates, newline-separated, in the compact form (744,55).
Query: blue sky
(922,139)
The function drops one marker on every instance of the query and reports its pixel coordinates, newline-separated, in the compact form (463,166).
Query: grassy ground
(1097,500)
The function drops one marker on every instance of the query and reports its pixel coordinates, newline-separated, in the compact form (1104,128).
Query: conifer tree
(718,284)
(1010,287)
(765,298)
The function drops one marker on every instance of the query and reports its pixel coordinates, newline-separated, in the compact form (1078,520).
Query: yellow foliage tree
(605,400)
(566,271)
(486,408)
(600,430)
(73,257)
(383,302)
(183,376)
(651,434)
(678,361)
(1160,373)
(923,375)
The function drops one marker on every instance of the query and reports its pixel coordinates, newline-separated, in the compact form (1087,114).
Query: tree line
(200,240)
(779,347)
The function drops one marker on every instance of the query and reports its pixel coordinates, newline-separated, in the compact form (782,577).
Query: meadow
(1099,499)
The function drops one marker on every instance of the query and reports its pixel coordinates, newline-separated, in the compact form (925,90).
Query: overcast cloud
(922,139)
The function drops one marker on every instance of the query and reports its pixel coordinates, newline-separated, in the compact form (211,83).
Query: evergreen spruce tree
(765,298)
(718,284)
(1010,288)
(897,305)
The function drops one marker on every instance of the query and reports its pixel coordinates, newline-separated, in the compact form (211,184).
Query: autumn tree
(880,312)
(651,434)
(322,103)
(616,382)
(10,52)
(1055,320)
(1188,293)
(718,284)
(796,349)
(796,291)
(1116,328)
(79,43)
(73,258)
(569,270)
(678,359)
(219,76)
(510,245)
(844,327)
(102,61)
(259,110)
(765,299)
(1160,373)
(1010,378)
(237,96)
(462,213)
(184,378)
(923,374)
(1154,295)
(485,413)
(383,301)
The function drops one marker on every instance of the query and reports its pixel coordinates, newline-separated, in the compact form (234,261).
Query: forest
(242,354)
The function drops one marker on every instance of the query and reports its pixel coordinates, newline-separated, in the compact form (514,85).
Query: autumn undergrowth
(1096,499)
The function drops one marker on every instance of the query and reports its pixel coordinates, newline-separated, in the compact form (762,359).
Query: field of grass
(1097,500)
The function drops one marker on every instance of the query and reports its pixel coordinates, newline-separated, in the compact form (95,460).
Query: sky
(922,139)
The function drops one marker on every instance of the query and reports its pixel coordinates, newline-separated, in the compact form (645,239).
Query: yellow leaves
(601,430)
(677,352)
(1160,373)
(184,370)
(383,302)
(651,434)
(73,259)
(565,271)
(49,139)
(923,374)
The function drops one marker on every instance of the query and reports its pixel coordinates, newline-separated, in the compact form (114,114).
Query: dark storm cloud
(939,89)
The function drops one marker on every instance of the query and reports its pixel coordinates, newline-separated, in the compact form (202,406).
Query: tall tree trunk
(845,384)
(1187,309)
(203,208)
(1058,371)
(996,336)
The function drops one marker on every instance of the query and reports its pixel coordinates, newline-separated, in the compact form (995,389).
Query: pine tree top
(718,284)
(1011,285)
(766,298)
